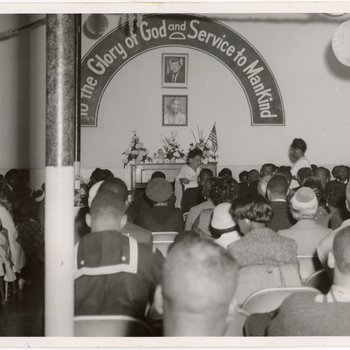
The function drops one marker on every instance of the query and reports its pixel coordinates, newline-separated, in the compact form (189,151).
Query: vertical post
(59,211)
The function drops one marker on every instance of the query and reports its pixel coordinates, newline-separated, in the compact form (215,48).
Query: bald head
(116,186)
(199,279)
(341,250)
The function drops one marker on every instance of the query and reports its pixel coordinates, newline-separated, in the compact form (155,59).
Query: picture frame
(175,110)
(174,70)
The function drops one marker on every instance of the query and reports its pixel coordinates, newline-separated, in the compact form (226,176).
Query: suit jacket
(180,78)
(281,219)
(191,197)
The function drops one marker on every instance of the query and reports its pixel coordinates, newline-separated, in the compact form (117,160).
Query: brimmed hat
(222,219)
(159,190)
(305,200)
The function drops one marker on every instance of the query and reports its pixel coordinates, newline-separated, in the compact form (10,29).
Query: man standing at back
(276,192)
(114,274)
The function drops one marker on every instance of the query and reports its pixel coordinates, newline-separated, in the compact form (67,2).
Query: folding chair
(163,240)
(270,299)
(110,326)
(308,264)
(320,281)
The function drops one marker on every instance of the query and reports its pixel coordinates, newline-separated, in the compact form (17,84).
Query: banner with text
(123,43)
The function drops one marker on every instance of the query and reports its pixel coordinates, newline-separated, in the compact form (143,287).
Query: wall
(315,90)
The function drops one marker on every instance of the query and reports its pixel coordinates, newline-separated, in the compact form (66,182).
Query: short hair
(224,189)
(341,250)
(315,184)
(242,174)
(253,207)
(194,152)
(336,170)
(285,171)
(158,174)
(265,166)
(225,172)
(107,205)
(335,194)
(325,171)
(278,184)
(304,173)
(254,172)
(205,271)
(205,172)
(116,186)
(99,175)
(175,60)
(206,190)
(299,144)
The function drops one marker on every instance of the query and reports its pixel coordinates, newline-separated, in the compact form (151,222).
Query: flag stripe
(214,139)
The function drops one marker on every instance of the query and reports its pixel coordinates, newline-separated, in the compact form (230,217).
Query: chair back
(308,264)
(163,240)
(270,299)
(320,281)
(110,326)
(236,324)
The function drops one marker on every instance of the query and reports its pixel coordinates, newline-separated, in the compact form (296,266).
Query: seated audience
(161,217)
(325,246)
(222,226)
(225,172)
(302,174)
(276,192)
(99,175)
(265,258)
(262,185)
(341,174)
(188,174)
(207,204)
(113,273)
(306,232)
(285,171)
(194,196)
(297,157)
(243,183)
(224,190)
(253,180)
(267,169)
(199,280)
(324,175)
(309,314)
(119,187)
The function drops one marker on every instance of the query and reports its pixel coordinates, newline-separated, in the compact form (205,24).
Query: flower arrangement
(136,151)
(172,150)
(203,145)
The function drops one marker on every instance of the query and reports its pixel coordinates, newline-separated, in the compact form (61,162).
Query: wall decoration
(174,70)
(204,34)
(174,110)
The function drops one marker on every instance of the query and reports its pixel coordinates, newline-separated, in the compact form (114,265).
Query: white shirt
(227,238)
(302,162)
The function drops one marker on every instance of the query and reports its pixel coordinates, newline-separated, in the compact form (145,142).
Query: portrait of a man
(174,110)
(175,70)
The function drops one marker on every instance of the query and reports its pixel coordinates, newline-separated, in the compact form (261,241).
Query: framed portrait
(174,110)
(174,70)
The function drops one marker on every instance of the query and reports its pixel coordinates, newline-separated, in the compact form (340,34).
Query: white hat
(93,191)
(305,200)
(222,218)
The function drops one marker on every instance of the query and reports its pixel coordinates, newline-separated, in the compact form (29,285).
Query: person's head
(221,221)
(251,211)
(225,172)
(198,285)
(302,174)
(107,212)
(206,189)
(99,175)
(204,176)
(243,176)
(159,190)
(224,190)
(115,185)
(175,64)
(324,175)
(315,184)
(297,149)
(304,204)
(262,185)
(341,173)
(174,105)
(339,257)
(253,176)
(335,194)
(314,168)
(277,188)
(158,174)
(285,171)
(267,169)
(194,158)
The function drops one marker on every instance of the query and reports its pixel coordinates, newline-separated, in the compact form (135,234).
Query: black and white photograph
(129,208)
(175,70)
(175,110)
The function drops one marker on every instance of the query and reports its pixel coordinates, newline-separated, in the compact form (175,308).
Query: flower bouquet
(172,150)
(136,151)
(208,153)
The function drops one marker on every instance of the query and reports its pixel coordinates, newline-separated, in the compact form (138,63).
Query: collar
(279,200)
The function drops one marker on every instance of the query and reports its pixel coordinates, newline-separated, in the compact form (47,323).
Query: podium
(142,173)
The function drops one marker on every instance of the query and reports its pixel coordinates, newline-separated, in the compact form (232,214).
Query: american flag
(212,141)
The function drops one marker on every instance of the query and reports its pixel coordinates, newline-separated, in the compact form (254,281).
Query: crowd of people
(234,238)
